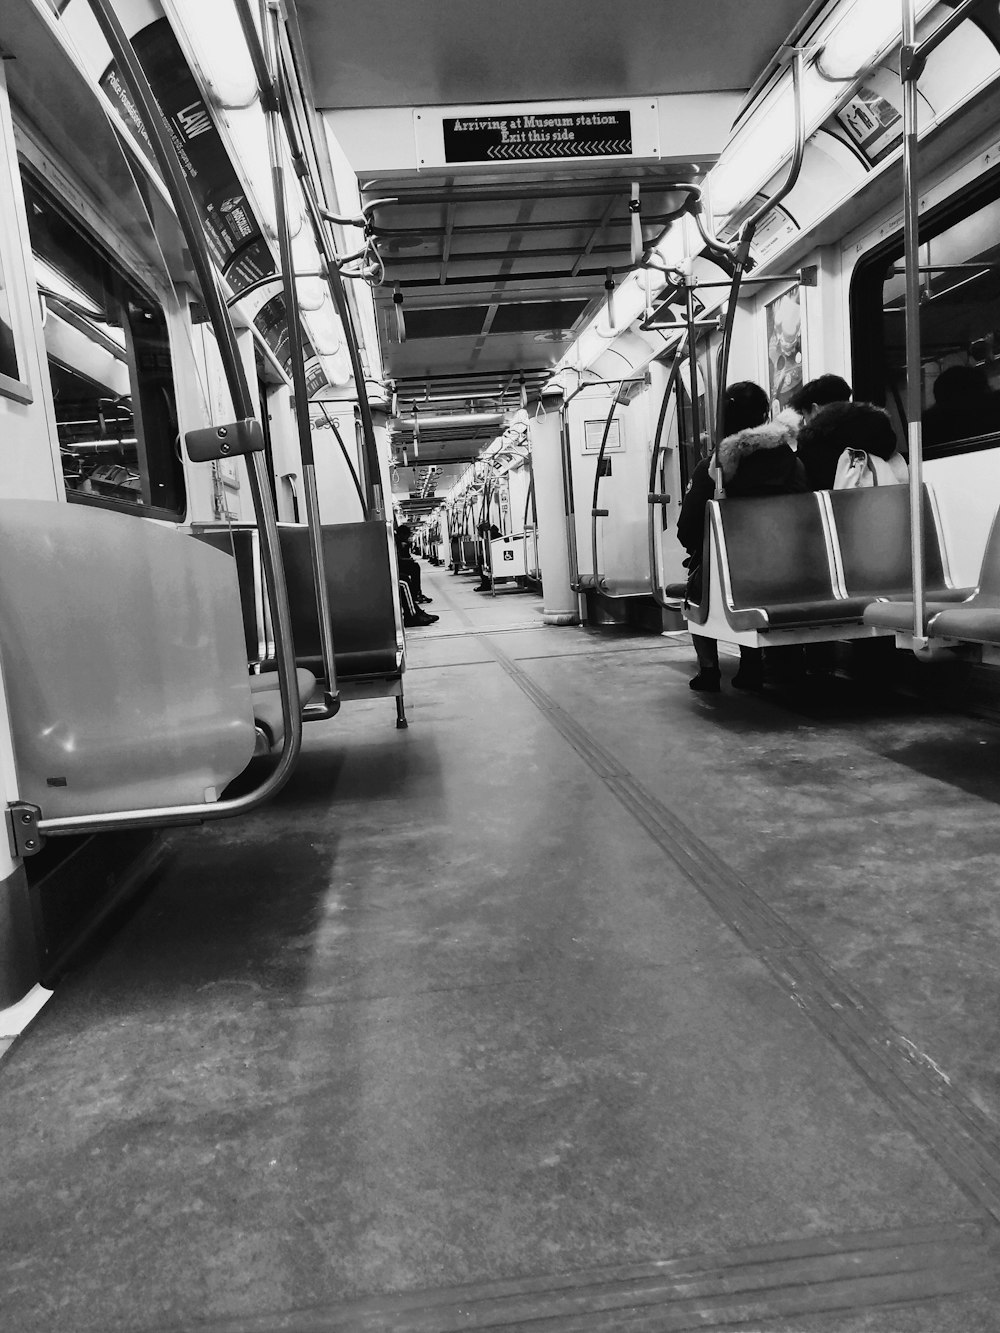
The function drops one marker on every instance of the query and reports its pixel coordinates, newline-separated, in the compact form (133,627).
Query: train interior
(390,937)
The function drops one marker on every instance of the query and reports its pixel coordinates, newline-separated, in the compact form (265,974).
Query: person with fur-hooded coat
(755,460)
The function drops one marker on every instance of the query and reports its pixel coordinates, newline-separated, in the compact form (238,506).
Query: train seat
(873,536)
(265,696)
(242,542)
(359,580)
(774,554)
(976,620)
(124,661)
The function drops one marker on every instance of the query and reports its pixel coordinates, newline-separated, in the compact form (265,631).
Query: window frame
(37,181)
(865,297)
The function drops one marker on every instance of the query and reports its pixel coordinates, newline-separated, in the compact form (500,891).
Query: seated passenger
(755,458)
(408,567)
(806,401)
(964,406)
(409,576)
(850,444)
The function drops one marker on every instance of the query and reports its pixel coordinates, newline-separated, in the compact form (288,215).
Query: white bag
(855,469)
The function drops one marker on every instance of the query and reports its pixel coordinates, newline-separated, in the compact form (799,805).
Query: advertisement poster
(784,347)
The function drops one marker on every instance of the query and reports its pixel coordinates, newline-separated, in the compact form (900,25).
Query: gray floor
(586,1003)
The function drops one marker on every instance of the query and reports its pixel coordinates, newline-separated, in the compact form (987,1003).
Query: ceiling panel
(365,53)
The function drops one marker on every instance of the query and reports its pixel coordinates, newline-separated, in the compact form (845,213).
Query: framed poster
(783,329)
(593,434)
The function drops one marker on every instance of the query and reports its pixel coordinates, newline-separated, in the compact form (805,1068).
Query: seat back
(243,544)
(777,550)
(470,552)
(360,583)
(988,585)
(123,661)
(873,533)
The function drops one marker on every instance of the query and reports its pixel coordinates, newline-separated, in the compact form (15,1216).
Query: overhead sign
(528,137)
(542,132)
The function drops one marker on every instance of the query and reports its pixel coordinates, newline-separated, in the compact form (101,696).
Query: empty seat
(265,694)
(975,620)
(873,534)
(123,658)
(359,581)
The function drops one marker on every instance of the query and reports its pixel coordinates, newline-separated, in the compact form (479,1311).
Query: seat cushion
(899,615)
(969,623)
(265,696)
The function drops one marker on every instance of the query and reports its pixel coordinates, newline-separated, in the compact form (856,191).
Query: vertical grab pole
(692,344)
(270,101)
(239,388)
(908,73)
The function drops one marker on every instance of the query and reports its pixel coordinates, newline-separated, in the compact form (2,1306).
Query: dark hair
(840,426)
(403,532)
(959,383)
(818,392)
(744,404)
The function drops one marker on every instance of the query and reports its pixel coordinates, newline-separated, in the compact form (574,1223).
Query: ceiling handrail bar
(135,80)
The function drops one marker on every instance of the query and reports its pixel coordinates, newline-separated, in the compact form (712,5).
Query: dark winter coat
(755,462)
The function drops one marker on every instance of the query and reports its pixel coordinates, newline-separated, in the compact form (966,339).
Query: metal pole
(135,79)
(269,99)
(692,344)
(911,242)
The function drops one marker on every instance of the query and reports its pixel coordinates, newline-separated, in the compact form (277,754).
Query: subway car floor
(585,1004)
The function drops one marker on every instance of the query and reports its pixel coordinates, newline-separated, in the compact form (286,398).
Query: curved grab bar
(742,256)
(596,513)
(132,75)
(652,498)
(332,422)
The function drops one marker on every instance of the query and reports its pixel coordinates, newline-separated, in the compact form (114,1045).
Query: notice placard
(528,137)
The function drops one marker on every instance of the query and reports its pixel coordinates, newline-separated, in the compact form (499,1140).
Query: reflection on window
(109,365)
(959,333)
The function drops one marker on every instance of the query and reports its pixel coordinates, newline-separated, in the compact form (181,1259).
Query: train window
(109,365)
(959,330)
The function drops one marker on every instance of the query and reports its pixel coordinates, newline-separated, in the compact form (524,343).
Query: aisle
(446,1037)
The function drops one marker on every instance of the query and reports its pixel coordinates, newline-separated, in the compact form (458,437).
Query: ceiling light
(219,48)
(248,132)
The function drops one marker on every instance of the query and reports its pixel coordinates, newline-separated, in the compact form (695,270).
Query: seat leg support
(401,722)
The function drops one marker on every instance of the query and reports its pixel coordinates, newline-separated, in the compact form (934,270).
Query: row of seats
(805,565)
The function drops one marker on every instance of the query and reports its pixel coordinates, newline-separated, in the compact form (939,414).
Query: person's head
(820,392)
(839,426)
(404,532)
(959,385)
(744,404)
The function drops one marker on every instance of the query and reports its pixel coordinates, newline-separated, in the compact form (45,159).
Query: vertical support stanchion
(692,346)
(911,261)
(270,101)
